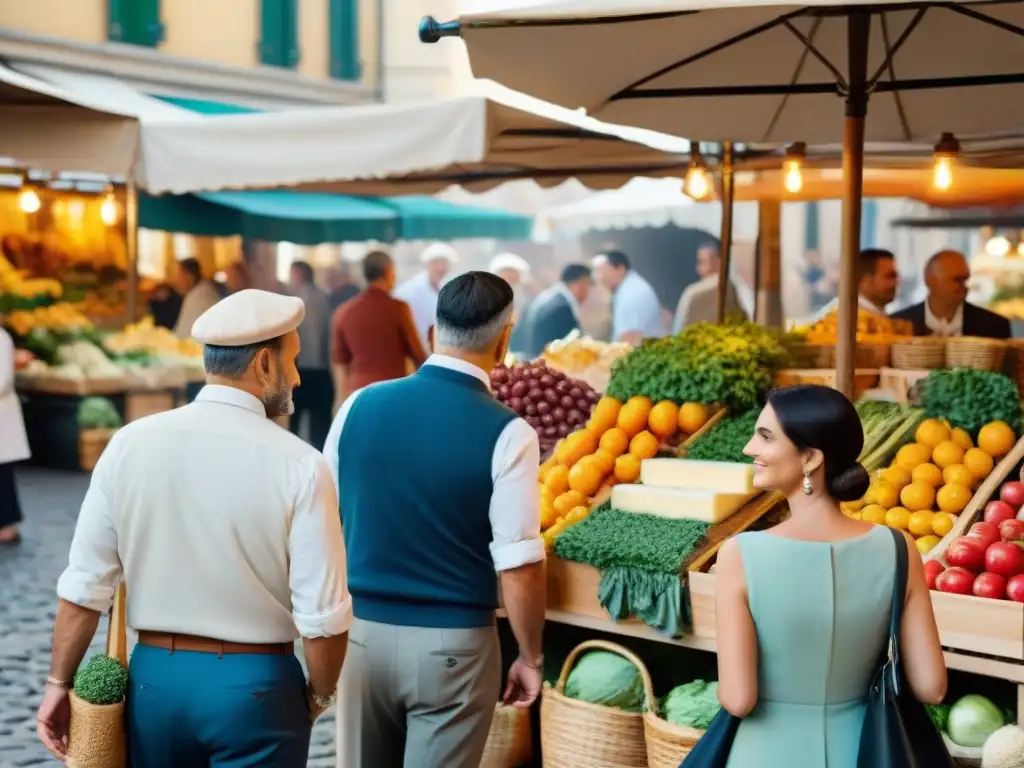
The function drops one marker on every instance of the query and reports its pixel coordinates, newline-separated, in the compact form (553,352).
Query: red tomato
(1012,530)
(956,581)
(998,511)
(931,571)
(986,533)
(1015,588)
(990,585)
(967,553)
(1004,558)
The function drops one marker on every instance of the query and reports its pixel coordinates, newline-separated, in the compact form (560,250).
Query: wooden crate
(140,404)
(863,378)
(981,625)
(902,383)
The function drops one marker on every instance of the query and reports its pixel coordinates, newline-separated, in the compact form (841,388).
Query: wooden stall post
(131,243)
(768,302)
(725,240)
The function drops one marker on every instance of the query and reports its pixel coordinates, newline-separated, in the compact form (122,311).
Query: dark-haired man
(198,295)
(555,312)
(877,282)
(426,541)
(636,311)
(225,529)
(316,395)
(374,333)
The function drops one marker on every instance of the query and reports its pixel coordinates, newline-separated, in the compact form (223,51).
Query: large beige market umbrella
(764,71)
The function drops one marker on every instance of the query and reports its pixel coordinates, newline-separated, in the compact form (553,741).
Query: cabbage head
(693,705)
(972,720)
(605,678)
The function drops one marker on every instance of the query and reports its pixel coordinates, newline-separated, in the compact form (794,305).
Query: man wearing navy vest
(437,485)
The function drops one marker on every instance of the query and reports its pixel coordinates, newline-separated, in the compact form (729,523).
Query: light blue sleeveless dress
(822,616)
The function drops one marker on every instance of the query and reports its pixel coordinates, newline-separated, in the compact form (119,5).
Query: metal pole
(131,225)
(858,31)
(725,240)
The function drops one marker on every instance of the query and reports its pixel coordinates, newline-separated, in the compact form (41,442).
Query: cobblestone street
(28,577)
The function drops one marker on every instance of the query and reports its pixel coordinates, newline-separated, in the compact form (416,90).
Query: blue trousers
(193,710)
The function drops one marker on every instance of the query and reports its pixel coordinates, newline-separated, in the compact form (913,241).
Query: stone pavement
(28,578)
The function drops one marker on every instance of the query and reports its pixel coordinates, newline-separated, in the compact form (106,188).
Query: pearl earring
(808,488)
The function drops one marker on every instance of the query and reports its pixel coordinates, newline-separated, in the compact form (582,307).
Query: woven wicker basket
(510,740)
(667,743)
(812,356)
(978,353)
(91,444)
(922,354)
(577,734)
(1015,363)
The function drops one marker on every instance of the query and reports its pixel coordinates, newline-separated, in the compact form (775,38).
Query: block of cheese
(721,476)
(705,506)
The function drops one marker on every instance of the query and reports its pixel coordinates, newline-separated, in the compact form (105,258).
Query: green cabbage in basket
(608,679)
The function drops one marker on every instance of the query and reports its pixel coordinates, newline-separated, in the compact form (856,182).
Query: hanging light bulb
(28,200)
(697,184)
(108,210)
(793,179)
(945,153)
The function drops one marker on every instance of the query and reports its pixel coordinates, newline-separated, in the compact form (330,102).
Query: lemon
(917,496)
(942,523)
(927,473)
(895,476)
(958,474)
(920,523)
(925,544)
(953,498)
(873,513)
(884,495)
(897,517)
(911,455)
(947,453)
(978,462)
(931,432)
(961,438)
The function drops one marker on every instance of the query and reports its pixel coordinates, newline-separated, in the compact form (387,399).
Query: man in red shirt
(374,333)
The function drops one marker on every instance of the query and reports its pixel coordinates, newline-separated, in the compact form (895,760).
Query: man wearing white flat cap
(420,292)
(225,529)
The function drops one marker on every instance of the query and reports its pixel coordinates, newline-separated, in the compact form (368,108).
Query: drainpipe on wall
(378,82)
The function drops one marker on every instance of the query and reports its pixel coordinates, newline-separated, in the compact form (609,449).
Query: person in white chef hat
(420,292)
(515,270)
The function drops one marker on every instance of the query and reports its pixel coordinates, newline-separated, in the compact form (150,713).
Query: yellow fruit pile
(145,336)
(932,480)
(870,327)
(608,450)
(16,282)
(56,317)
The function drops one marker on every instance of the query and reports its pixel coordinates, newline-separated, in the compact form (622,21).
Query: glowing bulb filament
(942,174)
(108,210)
(29,202)
(793,180)
(697,185)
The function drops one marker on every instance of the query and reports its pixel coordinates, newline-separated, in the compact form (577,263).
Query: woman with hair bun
(803,609)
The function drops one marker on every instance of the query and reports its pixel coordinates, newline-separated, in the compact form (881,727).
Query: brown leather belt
(173,642)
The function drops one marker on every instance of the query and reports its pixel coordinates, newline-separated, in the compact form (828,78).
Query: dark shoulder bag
(712,751)
(897,731)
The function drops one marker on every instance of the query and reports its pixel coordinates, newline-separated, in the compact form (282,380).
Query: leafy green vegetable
(610,538)
(608,679)
(98,413)
(693,704)
(730,363)
(939,713)
(972,719)
(970,399)
(726,440)
(101,681)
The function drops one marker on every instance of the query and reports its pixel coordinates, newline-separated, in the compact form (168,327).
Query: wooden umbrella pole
(858,30)
(131,224)
(725,239)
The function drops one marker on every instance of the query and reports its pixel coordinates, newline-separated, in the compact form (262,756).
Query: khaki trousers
(416,697)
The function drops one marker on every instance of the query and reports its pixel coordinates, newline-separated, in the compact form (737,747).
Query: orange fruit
(942,523)
(927,473)
(958,474)
(577,445)
(884,495)
(911,455)
(693,416)
(996,438)
(947,453)
(586,476)
(873,513)
(920,523)
(567,501)
(603,417)
(576,514)
(663,419)
(953,498)
(557,479)
(546,496)
(548,515)
(917,496)
(627,468)
(644,445)
(931,432)
(897,517)
(895,476)
(615,441)
(978,463)
(961,438)
(634,414)
(604,460)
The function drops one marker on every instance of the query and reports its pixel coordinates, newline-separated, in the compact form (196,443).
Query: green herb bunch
(726,440)
(101,681)
(970,399)
(730,363)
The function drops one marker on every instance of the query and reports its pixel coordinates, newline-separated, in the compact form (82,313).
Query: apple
(932,569)
(1012,530)
(1013,493)
(1004,558)
(990,585)
(956,581)
(998,511)
(1015,588)
(986,533)
(967,553)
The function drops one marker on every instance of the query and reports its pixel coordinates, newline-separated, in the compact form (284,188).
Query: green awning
(310,218)
(206,107)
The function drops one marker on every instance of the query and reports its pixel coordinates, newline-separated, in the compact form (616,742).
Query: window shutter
(344,39)
(279,33)
(291,31)
(135,21)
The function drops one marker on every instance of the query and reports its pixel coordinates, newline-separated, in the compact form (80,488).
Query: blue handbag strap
(899,596)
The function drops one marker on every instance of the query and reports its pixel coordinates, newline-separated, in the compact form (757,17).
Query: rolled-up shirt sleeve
(321,603)
(94,565)
(515,502)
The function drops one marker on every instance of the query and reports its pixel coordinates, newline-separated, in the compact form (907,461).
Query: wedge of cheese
(707,506)
(722,476)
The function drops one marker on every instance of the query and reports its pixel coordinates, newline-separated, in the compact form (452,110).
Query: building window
(279,33)
(136,22)
(344,39)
